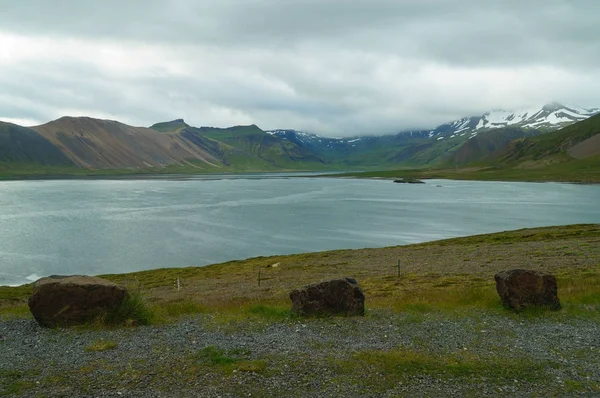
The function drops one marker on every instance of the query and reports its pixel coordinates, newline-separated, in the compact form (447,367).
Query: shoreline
(570,231)
(278,257)
(374,175)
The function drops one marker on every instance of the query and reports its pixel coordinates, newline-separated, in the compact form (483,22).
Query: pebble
(298,353)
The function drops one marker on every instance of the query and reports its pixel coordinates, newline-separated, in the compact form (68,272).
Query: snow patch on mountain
(550,115)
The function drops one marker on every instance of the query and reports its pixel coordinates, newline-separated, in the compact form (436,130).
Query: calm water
(103,226)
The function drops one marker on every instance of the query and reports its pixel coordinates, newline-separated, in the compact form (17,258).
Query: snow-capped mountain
(550,117)
(317,142)
(425,146)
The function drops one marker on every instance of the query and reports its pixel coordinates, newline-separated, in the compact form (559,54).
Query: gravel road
(308,358)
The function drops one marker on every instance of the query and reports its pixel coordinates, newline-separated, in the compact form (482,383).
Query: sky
(333,67)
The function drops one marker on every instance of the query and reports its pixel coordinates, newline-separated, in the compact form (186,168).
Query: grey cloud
(334,67)
(448,31)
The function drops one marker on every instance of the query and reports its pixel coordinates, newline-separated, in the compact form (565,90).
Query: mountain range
(76,145)
(426,147)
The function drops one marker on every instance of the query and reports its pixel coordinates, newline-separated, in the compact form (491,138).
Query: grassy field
(447,275)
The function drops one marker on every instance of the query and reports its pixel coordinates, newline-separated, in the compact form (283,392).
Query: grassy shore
(450,274)
(585,171)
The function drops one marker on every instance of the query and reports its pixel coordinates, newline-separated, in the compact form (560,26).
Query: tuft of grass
(132,311)
(256,366)
(215,356)
(15,382)
(20,311)
(270,312)
(230,361)
(101,345)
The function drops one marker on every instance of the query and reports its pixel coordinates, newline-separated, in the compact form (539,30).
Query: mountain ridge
(417,148)
(174,146)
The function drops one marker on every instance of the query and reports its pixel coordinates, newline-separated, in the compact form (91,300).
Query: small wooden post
(258,278)
(398,268)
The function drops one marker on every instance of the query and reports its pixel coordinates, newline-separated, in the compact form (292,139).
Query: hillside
(252,147)
(106,144)
(486,144)
(569,154)
(577,141)
(20,145)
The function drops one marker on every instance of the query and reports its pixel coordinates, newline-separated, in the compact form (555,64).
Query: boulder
(69,300)
(334,297)
(409,180)
(519,288)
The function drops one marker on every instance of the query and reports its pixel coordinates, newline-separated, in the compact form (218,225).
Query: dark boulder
(334,297)
(519,288)
(70,300)
(409,180)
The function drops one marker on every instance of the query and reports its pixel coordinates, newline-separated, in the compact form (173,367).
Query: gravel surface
(304,358)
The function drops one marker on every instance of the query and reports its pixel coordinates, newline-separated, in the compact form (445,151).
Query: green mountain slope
(21,145)
(273,150)
(486,144)
(172,126)
(554,147)
(246,148)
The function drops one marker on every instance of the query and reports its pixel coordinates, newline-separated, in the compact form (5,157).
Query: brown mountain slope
(106,144)
(587,148)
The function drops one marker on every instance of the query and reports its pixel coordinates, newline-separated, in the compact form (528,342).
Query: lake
(116,226)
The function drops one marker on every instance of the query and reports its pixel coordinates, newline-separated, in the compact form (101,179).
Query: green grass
(20,311)
(229,361)
(101,345)
(132,311)
(15,382)
(16,293)
(177,309)
(385,369)
(215,356)
(269,312)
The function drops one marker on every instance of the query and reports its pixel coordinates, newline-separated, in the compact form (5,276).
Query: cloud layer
(334,67)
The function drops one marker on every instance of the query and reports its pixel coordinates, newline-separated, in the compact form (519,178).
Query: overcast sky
(335,67)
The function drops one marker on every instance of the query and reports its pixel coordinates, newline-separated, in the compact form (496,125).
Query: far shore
(421,174)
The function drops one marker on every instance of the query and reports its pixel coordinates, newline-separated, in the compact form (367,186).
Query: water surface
(114,226)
